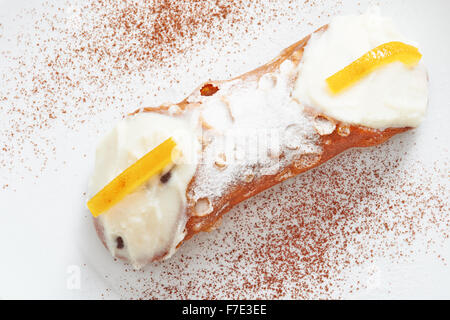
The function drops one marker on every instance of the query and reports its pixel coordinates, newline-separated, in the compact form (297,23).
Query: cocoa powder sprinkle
(77,68)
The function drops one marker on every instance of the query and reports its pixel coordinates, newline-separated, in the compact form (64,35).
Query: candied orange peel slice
(134,176)
(375,58)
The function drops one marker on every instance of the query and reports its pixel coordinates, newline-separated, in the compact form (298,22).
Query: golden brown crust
(342,138)
(332,144)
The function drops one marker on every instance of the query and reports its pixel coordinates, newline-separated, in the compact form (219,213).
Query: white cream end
(151,220)
(392,96)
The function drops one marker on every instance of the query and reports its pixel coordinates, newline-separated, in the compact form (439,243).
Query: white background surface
(45,228)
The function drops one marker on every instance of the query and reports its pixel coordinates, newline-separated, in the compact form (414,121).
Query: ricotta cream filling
(151,220)
(393,96)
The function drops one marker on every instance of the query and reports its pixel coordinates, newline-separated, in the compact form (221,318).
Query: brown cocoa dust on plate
(328,233)
(79,63)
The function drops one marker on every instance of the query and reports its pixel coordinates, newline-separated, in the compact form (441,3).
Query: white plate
(371,223)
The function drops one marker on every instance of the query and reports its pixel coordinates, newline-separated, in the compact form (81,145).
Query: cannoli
(233,139)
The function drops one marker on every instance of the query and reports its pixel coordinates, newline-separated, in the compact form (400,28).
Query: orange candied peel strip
(375,58)
(133,177)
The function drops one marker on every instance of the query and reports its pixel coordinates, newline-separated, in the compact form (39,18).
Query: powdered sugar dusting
(261,132)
